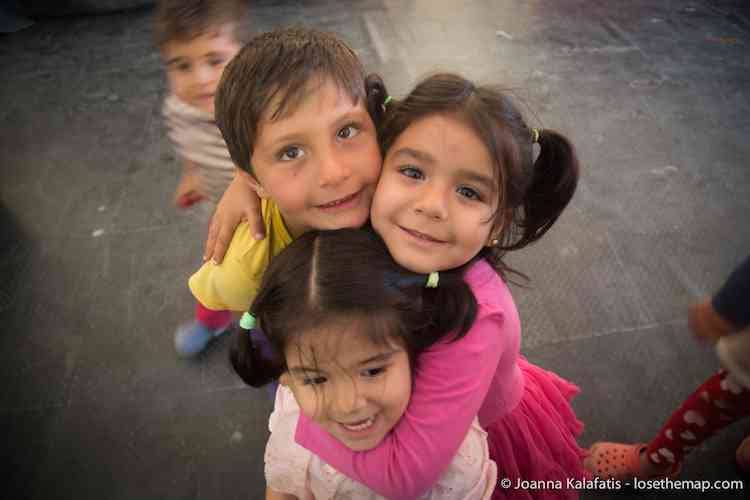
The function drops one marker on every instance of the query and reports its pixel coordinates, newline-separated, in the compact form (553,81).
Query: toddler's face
(194,67)
(436,198)
(354,389)
(320,163)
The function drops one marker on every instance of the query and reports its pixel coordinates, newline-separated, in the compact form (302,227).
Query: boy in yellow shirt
(296,111)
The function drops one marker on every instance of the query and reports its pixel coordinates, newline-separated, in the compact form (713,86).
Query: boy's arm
(239,201)
(450,385)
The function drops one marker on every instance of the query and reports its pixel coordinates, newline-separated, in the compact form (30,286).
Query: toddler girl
(349,325)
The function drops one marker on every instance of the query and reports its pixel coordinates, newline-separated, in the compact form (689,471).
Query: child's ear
(254,184)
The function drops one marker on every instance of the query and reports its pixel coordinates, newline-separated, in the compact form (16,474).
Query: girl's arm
(450,385)
(239,201)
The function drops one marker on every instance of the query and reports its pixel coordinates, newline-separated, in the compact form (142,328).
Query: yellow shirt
(233,284)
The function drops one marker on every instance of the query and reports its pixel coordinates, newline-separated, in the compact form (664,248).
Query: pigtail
(431,314)
(553,181)
(255,365)
(376,94)
(451,306)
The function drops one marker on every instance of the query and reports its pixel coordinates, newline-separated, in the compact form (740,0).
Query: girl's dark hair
(376,94)
(532,194)
(328,277)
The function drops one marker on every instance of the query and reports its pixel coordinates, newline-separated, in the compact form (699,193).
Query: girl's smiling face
(353,388)
(435,203)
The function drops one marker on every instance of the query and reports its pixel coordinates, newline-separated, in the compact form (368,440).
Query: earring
(494,242)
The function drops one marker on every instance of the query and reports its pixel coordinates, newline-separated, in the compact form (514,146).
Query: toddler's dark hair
(273,74)
(532,193)
(347,276)
(183,20)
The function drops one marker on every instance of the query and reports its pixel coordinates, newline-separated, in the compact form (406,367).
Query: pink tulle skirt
(534,445)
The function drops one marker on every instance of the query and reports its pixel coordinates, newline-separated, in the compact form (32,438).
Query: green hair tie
(432,280)
(387,100)
(247,321)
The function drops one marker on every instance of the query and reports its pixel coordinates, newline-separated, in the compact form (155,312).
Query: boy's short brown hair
(271,76)
(183,20)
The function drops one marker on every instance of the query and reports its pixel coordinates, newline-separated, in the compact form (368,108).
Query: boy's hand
(707,324)
(188,191)
(239,202)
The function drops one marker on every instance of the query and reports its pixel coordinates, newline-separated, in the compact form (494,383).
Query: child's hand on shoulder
(239,203)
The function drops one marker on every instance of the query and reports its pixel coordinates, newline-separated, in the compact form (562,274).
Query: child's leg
(714,405)
(214,320)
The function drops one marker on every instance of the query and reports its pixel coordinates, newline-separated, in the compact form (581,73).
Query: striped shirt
(196,138)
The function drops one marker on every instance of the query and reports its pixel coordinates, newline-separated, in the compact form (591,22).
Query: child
(294,107)
(719,401)
(458,189)
(197,38)
(351,325)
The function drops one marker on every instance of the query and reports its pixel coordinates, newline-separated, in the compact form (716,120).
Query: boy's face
(320,163)
(194,66)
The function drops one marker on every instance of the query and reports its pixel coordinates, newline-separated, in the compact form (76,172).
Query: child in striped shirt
(197,38)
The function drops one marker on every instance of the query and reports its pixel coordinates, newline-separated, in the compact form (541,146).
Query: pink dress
(291,469)
(525,410)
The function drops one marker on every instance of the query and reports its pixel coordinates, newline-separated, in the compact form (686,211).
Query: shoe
(192,338)
(742,456)
(622,462)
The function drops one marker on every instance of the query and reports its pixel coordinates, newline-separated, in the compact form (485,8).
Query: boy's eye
(313,380)
(183,67)
(468,192)
(216,61)
(412,172)
(291,153)
(348,132)
(373,372)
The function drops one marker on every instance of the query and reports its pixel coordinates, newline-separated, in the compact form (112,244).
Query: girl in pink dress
(461,185)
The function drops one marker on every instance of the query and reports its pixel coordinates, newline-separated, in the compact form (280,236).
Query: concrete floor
(94,258)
